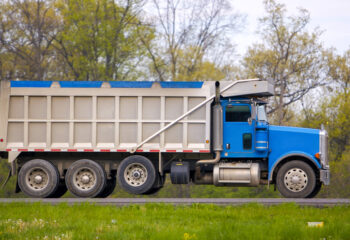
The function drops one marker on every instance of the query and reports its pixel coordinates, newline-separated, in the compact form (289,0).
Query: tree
(289,56)
(99,39)
(334,111)
(27,30)
(192,39)
(339,69)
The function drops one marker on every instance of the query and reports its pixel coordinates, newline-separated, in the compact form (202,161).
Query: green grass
(162,221)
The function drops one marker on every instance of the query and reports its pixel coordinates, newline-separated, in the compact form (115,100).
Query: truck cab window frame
(238,113)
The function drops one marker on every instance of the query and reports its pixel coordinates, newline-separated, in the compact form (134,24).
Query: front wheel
(316,190)
(296,179)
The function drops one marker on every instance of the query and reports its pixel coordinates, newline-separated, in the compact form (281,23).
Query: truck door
(239,127)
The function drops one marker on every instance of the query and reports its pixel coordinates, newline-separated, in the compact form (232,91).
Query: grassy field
(161,221)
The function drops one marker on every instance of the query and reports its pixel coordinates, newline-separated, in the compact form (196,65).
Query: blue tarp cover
(98,84)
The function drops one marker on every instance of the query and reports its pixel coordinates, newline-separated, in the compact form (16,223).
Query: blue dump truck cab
(293,158)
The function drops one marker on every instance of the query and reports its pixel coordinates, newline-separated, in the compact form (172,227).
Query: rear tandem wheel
(136,174)
(85,178)
(38,178)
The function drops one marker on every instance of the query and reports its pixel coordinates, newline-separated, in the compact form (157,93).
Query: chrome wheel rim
(295,180)
(84,179)
(135,174)
(37,179)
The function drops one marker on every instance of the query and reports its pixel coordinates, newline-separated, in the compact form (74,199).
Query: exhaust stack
(217,128)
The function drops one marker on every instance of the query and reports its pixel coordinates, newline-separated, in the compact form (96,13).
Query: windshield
(262,113)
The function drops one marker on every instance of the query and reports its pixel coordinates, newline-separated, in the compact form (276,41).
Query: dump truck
(87,136)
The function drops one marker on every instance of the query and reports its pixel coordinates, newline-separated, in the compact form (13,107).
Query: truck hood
(293,140)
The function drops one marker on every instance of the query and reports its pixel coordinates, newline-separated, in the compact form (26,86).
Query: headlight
(324,148)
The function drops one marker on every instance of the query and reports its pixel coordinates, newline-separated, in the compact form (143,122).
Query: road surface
(317,202)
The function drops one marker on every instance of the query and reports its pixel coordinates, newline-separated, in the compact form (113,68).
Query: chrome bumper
(324,149)
(325,176)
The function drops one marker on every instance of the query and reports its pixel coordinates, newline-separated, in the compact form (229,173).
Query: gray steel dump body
(111,116)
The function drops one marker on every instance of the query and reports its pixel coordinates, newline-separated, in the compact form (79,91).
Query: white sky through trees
(331,16)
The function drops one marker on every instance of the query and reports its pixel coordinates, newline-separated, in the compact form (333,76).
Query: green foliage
(333,112)
(289,55)
(99,39)
(340,178)
(161,221)
(27,30)
(72,40)
(339,69)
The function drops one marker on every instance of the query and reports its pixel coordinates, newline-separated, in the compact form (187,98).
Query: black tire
(158,184)
(136,184)
(60,191)
(152,191)
(300,172)
(316,190)
(89,171)
(110,185)
(38,170)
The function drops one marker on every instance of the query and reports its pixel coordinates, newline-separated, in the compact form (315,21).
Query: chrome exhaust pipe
(217,128)
(210,161)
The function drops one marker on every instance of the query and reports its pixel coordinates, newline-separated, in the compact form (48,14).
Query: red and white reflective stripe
(170,150)
(39,150)
(204,151)
(187,151)
(105,150)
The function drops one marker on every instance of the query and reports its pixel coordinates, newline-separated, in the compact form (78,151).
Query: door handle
(228,146)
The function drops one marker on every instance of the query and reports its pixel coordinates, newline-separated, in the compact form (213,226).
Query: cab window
(237,113)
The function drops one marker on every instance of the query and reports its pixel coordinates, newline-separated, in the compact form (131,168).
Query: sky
(331,16)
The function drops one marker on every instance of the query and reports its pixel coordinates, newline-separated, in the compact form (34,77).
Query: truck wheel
(38,178)
(296,179)
(136,174)
(85,178)
(60,191)
(158,184)
(111,183)
(316,190)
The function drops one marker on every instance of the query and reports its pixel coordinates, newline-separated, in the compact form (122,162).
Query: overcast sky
(332,16)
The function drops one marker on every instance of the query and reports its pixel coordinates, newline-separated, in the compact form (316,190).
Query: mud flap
(17,190)
(7,179)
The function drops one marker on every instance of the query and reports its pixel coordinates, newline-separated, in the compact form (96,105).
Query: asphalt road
(317,202)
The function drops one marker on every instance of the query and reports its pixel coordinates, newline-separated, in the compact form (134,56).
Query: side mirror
(250,121)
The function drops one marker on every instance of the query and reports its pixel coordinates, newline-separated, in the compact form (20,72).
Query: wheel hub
(295,179)
(84,179)
(135,174)
(37,179)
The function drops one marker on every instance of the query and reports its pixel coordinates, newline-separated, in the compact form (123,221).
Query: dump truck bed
(106,116)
